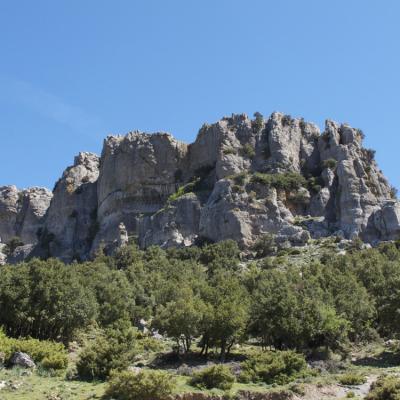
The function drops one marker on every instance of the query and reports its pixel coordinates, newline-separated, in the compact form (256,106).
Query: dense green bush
(145,385)
(55,361)
(49,354)
(285,181)
(385,388)
(264,245)
(114,349)
(12,244)
(216,376)
(273,367)
(45,300)
(258,122)
(229,150)
(329,163)
(351,379)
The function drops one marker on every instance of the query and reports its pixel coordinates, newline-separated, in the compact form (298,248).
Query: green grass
(36,387)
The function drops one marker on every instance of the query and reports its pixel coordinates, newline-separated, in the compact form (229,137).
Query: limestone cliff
(241,178)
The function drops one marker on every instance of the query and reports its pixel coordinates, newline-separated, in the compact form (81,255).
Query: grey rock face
(138,173)
(9,196)
(350,188)
(3,256)
(387,220)
(176,225)
(33,208)
(22,214)
(71,219)
(161,191)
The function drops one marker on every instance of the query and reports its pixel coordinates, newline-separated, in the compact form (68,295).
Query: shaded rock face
(231,183)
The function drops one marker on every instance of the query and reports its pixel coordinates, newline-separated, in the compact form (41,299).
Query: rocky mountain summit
(242,178)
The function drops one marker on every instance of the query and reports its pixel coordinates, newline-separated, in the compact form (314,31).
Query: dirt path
(331,392)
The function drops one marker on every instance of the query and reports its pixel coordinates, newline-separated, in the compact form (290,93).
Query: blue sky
(74,71)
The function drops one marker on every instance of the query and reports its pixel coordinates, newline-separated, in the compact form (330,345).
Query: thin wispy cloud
(48,105)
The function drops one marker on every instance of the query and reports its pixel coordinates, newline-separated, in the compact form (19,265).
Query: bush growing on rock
(286,181)
(145,385)
(258,122)
(329,163)
(247,150)
(216,376)
(229,150)
(12,244)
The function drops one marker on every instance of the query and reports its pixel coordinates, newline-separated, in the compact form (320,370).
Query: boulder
(23,360)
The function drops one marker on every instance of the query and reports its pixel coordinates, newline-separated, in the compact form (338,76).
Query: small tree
(329,163)
(12,244)
(265,245)
(181,318)
(226,318)
(112,350)
(258,122)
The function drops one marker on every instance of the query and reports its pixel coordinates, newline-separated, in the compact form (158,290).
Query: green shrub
(229,150)
(180,192)
(286,120)
(264,245)
(329,163)
(369,154)
(237,189)
(278,367)
(54,361)
(286,181)
(385,388)
(352,379)
(113,350)
(258,122)
(216,376)
(240,179)
(50,354)
(12,244)
(247,150)
(298,388)
(197,184)
(315,184)
(145,385)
